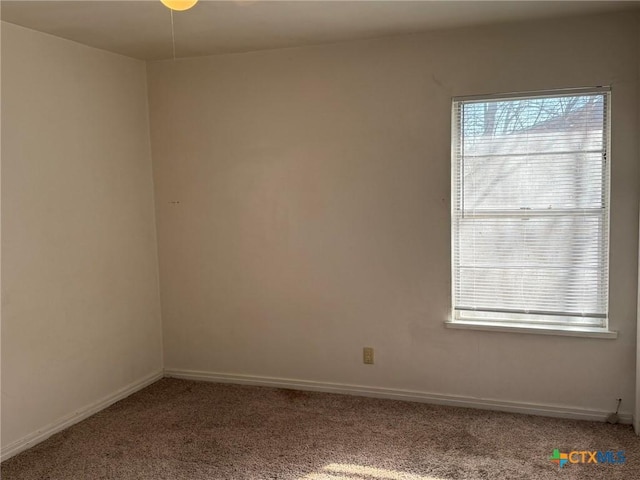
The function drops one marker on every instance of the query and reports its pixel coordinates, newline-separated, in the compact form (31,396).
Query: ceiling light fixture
(179,5)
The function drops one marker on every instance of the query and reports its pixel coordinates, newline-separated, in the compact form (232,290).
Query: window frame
(506,321)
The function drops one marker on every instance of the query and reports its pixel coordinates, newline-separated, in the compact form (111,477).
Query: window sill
(590,332)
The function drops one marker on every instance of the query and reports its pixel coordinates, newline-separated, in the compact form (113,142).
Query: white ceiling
(142,29)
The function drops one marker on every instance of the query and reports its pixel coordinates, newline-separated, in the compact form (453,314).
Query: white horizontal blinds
(530,216)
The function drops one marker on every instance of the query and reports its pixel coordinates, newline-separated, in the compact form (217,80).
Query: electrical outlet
(367,355)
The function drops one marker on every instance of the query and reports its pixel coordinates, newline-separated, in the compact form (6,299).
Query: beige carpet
(178,429)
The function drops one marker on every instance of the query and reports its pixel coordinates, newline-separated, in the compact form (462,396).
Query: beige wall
(314,200)
(313,217)
(80,303)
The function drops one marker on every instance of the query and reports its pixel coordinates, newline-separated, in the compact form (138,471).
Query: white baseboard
(558,411)
(36,437)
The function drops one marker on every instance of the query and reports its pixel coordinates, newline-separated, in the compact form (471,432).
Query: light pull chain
(173,36)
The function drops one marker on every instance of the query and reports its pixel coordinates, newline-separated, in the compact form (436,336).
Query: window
(530,210)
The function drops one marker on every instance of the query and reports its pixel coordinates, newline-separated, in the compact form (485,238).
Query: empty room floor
(179,429)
